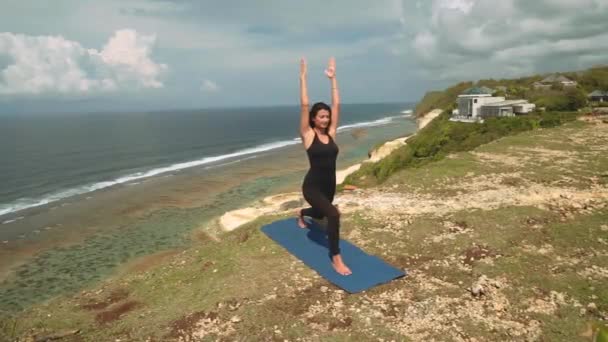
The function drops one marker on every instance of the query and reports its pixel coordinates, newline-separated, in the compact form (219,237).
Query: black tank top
(322,157)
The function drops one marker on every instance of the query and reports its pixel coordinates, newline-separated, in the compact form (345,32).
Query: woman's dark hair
(315,109)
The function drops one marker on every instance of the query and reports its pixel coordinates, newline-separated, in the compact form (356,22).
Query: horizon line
(182,109)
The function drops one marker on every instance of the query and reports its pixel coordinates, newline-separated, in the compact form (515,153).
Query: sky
(129,55)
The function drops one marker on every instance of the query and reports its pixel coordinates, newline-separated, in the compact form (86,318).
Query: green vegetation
(588,81)
(440,99)
(569,99)
(555,98)
(442,137)
(595,78)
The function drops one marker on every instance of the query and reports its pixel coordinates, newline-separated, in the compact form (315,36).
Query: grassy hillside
(442,137)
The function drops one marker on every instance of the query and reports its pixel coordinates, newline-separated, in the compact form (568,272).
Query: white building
(506,108)
(477,103)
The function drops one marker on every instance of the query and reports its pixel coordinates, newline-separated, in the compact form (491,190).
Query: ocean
(48,157)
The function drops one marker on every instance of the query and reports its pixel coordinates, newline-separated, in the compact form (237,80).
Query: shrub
(442,137)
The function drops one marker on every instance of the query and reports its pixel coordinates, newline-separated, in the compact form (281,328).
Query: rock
(324,289)
(592,307)
(350,187)
(235,319)
(290,205)
(477,290)
(234,306)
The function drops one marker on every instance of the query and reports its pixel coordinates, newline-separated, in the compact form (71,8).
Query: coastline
(470,230)
(284,202)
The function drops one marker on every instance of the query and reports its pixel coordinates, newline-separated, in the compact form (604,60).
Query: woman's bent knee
(334,213)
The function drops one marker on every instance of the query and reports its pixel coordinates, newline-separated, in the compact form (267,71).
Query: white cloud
(54,64)
(209,86)
(128,54)
(470,39)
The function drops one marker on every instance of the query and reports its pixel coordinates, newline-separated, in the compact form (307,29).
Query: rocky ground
(505,243)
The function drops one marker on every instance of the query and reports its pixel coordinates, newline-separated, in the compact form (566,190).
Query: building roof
(538,83)
(505,103)
(598,93)
(556,78)
(478,91)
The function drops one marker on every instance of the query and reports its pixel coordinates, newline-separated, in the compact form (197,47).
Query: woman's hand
(303,68)
(331,68)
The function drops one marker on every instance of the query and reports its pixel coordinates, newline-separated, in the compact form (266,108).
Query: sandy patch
(386,149)
(428,117)
(342,174)
(272,204)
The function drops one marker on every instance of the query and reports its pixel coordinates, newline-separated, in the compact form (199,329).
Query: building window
(475,101)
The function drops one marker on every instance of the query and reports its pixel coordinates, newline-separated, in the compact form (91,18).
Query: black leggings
(321,206)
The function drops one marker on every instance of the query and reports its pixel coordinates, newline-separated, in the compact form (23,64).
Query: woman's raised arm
(304,120)
(335,97)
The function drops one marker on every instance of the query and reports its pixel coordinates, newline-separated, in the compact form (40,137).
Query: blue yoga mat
(311,246)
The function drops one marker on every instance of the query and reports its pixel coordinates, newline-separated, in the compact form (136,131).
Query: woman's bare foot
(339,265)
(301,222)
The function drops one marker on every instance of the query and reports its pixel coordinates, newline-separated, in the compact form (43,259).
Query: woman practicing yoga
(318,132)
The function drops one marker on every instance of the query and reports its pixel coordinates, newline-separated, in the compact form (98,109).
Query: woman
(318,132)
